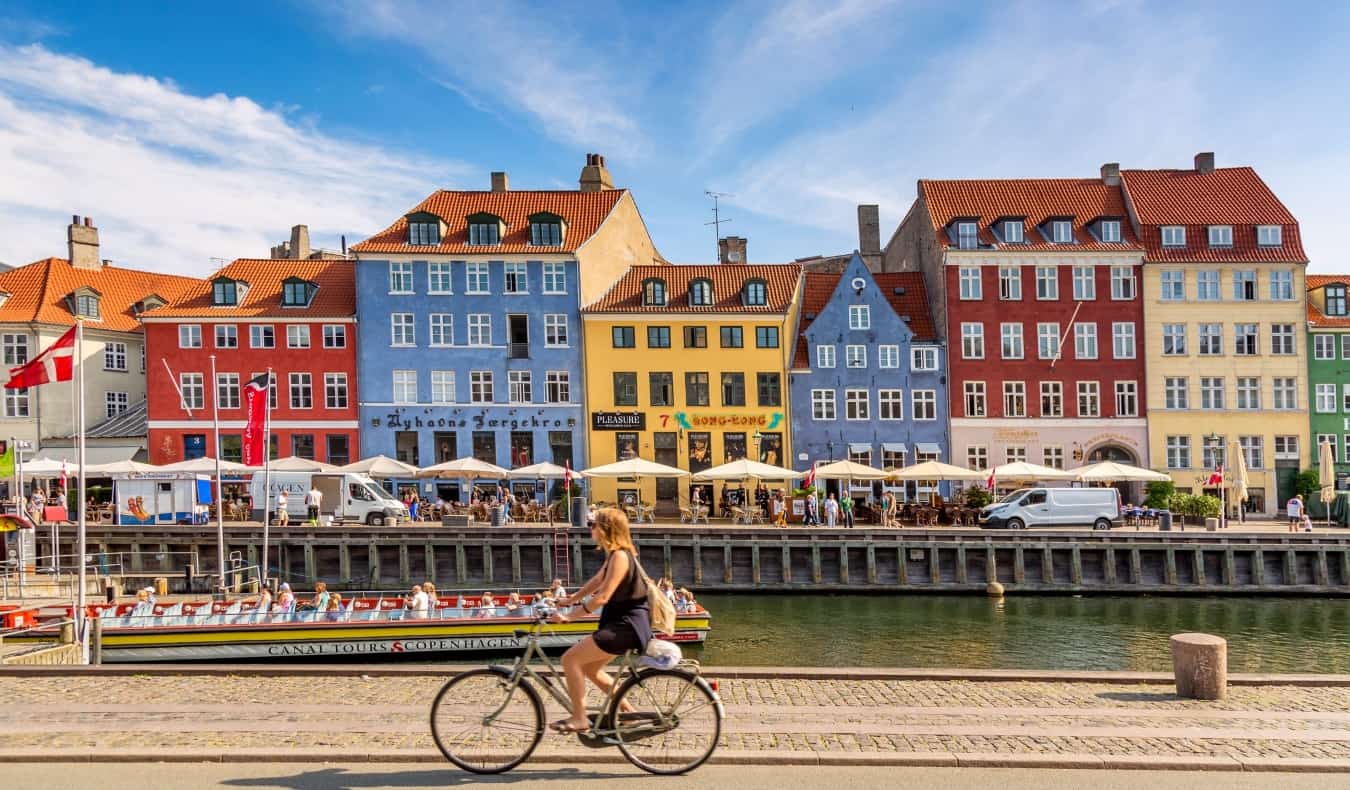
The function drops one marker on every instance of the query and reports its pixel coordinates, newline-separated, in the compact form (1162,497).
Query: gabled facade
(1224,305)
(1036,289)
(470,309)
(868,377)
(296,317)
(1329,367)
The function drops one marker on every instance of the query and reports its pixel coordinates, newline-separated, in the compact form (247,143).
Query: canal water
(1021,632)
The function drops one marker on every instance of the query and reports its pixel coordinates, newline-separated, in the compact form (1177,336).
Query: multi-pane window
(261,336)
(476,278)
(658,337)
(1324,347)
(480,387)
(700,293)
(1061,231)
(1173,284)
(555,330)
(923,358)
(1084,282)
(1047,341)
(1014,399)
(733,389)
(625,389)
(1286,392)
(1176,393)
(822,405)
(1085,340)
(334,336)
(623,337)
(1052,399)
(1174,340)
(190,336)
(546,234)
(1244,285)
(1012,341)
(1325,398)
(1012,231)
(1015,454)
(1220,235)
(442,386)
(558,386)
(1047,282)
(891,404)
(730,337)
(766,337)
(859,316)
(1122,340)
(423,234)
(1269,235)
(519,386)
(405,386)
(438,278)
(1173,236)
(335,390)
(114,403)
(1213,451)
(297,336)
(969,279)
(696,337)
(86,305)
(1110,230)
(756,293)
(193,390)
(856,404)
(975,398)
(888,356)
(1246,336)
(1282,285)
(977,457)
(517,281)
(224,292)
(295,293)
(227,390)
(661,388)
(302,391)
(483,233)
(1122,282)
(1089,399)
(1253,451)
(1053,456)
(401,329)
(967,235)
(1249,392)
(115,356)
(555,278)
(1325,438)
(923,404)
(1345,346)
(1286,448)
(1335,299)
(16,402)
(972,341)
(442,329)
(400,277)
(480,329)
(1211,392)
(1010,282)
(1282,338)
(1211,340)
(855,356)
(1178,452)
(1127,399)
(1207,285)
(769,389)
(824,356)
(696,389)
(15,349)
(227,336)
(892,456)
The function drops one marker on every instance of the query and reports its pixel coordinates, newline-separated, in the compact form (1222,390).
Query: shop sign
(618,421)
(687,421)
(398,421)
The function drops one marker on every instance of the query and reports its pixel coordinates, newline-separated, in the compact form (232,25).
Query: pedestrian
(1295,507)
(779,509)
(313,500)
(831,511)
(888,509)
(812,517)
(283,517)
(1307,523)
(846,507)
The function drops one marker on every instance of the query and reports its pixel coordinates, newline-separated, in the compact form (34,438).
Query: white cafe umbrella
(207,466)
(380,466)
(127,467)
(936,470)
(1021,470)
(848,470)
(1326,476)
(468,468)
(542,471)
(45,467)
(635,467)
(1113,472)
(1239,476)
(292,463)
(745,469)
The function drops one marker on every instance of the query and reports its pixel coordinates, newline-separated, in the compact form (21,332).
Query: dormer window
(546,230)
(424,234)
(1109,230)
(1173,236)
(484,230)
(701,293)
(225,292)
(84,302)
(1061,231)
(654,293)
(967,235)
(296,292)
(1220,235)
(1012,231)
(148,303)
(1269,235)
(1335,299)
(756,293)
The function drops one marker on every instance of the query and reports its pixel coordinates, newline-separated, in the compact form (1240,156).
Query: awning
(859,447)
(93,454)
(928,447)
(894,447)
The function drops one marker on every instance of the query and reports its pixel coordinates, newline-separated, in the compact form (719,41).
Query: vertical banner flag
(6,459)
(54,364)
(255,409)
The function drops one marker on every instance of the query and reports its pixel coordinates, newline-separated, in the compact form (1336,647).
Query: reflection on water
(1022,632)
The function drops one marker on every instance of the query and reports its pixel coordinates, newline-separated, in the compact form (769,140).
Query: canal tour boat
(370,627)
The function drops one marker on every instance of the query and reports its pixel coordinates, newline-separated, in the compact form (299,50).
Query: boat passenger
(430,589)
(285,599)
(144,606)
(514,604)
(333,609)
(667,587)
(264,604)
(486,606)
(684,600)
(321,597)
(418,603)
(556,590)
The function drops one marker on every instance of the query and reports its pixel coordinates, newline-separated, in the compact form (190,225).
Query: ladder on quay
(562,554)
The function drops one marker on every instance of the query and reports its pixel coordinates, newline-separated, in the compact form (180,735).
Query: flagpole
(79,415)
(220,487)
(267,473)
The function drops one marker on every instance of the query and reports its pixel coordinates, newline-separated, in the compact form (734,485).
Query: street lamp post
(1216,441)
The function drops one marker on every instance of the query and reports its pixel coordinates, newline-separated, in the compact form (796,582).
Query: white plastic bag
(661,654)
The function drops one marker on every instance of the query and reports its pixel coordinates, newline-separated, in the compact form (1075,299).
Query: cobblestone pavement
(386,718)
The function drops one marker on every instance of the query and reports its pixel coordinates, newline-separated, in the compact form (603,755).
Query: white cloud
(174,179)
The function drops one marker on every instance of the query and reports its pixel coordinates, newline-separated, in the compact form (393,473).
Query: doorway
(666,450)
(518,336)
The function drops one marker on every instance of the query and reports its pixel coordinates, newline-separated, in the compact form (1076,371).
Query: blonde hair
(611,530)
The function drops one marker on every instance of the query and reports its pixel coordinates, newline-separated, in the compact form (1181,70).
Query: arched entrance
(1132,493)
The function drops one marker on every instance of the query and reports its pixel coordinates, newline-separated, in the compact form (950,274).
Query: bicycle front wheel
(485,723)
(675,724)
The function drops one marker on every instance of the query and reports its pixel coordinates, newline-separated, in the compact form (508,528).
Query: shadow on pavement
(1140,696)
(343,779)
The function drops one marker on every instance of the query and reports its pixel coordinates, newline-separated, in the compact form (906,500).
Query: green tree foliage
(1308,484)
(1159,493)
(977,496)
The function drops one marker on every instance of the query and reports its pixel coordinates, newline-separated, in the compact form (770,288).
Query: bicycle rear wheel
(483,724)
(676,724)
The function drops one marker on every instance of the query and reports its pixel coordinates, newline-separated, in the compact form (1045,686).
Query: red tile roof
(817,288)
(1035,199)
(1228,196)
(38,291)
(1316,317)
(625,295)
(582,213)
(336,297)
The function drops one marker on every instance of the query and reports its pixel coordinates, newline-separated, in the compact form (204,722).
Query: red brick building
(295,316)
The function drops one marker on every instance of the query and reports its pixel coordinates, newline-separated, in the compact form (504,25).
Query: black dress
(625,620)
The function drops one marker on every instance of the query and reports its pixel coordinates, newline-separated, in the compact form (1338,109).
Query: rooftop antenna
(717,219)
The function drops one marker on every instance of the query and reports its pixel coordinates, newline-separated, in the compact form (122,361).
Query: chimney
(500,183)
(595,176)
(869,231)
(82,243)
(1204,162)
(1111,174)
(299,242)
(731,249)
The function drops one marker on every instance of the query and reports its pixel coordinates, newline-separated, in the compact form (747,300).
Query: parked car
(1054,507)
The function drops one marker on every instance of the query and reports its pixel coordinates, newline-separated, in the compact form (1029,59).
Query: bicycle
(490,720)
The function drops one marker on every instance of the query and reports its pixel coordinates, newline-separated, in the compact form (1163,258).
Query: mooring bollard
(1200,665)
(993,590)
(96,641)
(68,633)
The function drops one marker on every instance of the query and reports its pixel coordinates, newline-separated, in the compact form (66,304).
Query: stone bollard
(1200,664)
(1211,525)
(993,590)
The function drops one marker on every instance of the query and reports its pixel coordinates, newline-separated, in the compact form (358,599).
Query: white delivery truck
(347,496)
(1052,507)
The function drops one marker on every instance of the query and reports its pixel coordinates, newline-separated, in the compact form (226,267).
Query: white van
(1053,507)
(347,496)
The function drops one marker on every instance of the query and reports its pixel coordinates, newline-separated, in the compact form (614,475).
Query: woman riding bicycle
(625,620)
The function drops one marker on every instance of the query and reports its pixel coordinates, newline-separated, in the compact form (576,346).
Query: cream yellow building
(1223,291)
(687,366)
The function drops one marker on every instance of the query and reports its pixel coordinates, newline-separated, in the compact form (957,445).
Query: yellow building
(1223,309)
(687,366)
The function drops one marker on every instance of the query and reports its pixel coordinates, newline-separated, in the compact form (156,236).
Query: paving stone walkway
(803,720)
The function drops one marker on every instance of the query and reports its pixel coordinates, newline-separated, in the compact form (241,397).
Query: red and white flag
(57,363)
(1216,478)
(567,475)
(63,474)
(990,481)
(256,404)
(809,482)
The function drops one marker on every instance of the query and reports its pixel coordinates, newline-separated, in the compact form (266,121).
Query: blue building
(868,376)
(470,314)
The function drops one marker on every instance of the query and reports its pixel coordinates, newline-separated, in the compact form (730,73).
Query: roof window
(1061,231)
(654,293)
(484,230)
(546,230)
(1012,231)
(701,293)
(1220,235)
(1269,236)
(755,293)
(226,292)
(1109,230)
(296,292)
(967,235)
(1173,236)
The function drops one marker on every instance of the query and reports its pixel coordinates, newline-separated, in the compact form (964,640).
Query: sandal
(566,727)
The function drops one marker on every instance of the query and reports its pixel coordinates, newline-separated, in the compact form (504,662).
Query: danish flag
(1216,479)
(57,363)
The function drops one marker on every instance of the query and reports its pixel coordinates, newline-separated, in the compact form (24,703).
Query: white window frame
(1208,285)
(519,386)
(440,330)
(1089,395)
(405,381)
(1324,398)
(1243,332)
(477,278)
(115,356)
(825,356)
(923,359)
(227,390)
(189,335)
(1011,345)
(1110,231)
(969,283)
(443,386)
(1281,285)
(1085,340)
(1122,340)
(1247,393)
(823,406)
(555,278)
(480,329)
(400,277)
(1047,283)
(1178,452)
(1285,392)
(855,356)
(1324,347)
(1213,393)
(1176,393)
(977,456)
(1174,340)
(336,395)
(1084,283)
(1052,455)
(1283,340)
(16,403)
(1010,283)
(1013,231)
(114,403)
(1269,236)
(888,356)
(1127,399)
(857,405)
(1047,340)
(300,392)
(976,399)
(967,235)
(923,405)
(1053,392)
(1221,236)
(1014,399)
(555,330)
(1123,285)
(440,278)
(192,386)
(557,386)
(297,336)
(262,336)
(890,404)
(1172,285)
(859,317)
(402,330)
(972,340)
(519,273)
(1242,278)
(334,336)
(482,387)
(226,336)
(1173,235)
(1286,448)
(1209,340)
(1061,231)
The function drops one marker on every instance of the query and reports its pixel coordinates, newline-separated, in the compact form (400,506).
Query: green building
(1329,369)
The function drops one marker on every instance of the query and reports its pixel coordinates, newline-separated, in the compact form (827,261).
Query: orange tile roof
(1316,317)
(817,288)
(1228,196)
(625,295)
(336,297)
(582,212)
(1036,199)
(38,291)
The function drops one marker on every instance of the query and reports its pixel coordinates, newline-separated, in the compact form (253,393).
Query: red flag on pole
(255,430)
(809,482)
(54,364)
(1216,479)
(990,481)
(567,474)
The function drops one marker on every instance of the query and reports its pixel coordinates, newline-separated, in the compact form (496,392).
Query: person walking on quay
(313,500)
(812,517)
(831,511)
(888,508)
(283,517)
(846,507)
(1295,508)
(779,509)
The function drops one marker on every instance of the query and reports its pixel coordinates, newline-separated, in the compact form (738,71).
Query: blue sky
(194,131)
